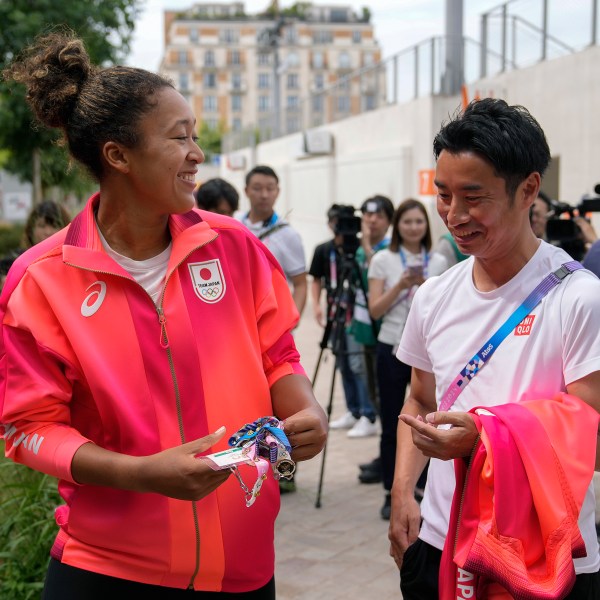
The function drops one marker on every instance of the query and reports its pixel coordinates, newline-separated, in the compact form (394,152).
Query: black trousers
(421,566)
(393,377)
(64,582)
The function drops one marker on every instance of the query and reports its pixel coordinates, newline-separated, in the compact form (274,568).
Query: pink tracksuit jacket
(85,355)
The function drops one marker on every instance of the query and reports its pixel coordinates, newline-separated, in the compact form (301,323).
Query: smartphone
(416,270)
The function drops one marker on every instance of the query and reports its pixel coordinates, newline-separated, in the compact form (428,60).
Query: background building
(269,72)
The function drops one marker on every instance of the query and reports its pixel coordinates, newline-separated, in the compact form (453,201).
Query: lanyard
(424,259)
(333,268)
(264,443)
(267,222)
(407,294)
(487,350)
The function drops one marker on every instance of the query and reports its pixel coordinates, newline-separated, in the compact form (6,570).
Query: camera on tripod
(348,226)
(565,232)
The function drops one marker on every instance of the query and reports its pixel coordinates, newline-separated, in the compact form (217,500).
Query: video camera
(565,233)
(348,225)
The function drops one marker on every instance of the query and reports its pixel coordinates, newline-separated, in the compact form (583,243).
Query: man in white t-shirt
(262,190)
(490,160)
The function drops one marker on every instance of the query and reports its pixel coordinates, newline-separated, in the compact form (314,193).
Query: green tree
(209,139)
(106,26)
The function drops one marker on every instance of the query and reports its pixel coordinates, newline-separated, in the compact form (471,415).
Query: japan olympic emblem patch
(208,280)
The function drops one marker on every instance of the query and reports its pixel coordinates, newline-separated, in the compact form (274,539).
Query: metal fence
(514,35)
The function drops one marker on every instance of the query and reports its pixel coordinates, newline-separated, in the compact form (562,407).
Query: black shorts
(64,582)
(421,566)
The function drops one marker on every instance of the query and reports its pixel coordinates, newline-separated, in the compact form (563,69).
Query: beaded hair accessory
(264,444)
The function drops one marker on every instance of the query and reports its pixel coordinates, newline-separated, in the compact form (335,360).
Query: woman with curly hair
(136,338)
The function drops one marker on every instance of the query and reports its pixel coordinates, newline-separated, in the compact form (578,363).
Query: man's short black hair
(378,203)
(261,170)
(209,194)
(507,137)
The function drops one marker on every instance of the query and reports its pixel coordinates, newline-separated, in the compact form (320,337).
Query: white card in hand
(227,459)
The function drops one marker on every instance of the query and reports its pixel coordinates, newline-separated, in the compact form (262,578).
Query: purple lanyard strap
(487,350)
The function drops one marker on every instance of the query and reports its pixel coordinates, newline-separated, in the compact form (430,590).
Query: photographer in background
(541,210)
(333,261)
(574,233)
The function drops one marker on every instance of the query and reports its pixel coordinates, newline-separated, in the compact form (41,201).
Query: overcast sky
(398,23)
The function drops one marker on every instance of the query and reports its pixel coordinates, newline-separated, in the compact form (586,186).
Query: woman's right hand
(176,472)
(179,473)
(409,279)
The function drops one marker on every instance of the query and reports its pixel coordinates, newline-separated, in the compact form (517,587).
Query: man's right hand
(405,523)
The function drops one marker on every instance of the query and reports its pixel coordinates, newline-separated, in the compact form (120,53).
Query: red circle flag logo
(207,278)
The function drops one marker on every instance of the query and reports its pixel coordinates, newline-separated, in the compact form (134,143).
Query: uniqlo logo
(524,327)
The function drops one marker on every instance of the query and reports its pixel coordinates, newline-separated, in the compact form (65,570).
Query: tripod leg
(329,406)
(314,379)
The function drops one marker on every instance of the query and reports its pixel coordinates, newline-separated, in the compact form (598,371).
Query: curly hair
(91,105)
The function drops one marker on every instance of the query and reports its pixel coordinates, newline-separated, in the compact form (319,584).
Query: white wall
(382,151)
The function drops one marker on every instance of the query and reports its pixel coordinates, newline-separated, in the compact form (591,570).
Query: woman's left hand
(307,433)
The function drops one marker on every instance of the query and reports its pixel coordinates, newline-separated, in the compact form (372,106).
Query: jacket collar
(83,247)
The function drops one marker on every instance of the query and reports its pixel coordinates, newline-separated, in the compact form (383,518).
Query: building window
(369,102)
(356,37)
(293,102)
(210,80)
(318,60)
(264,81)
(292,124)
(317,103)
(209,104)
(343,83)
(322,36)
(194,35)
(264,59)
(236,124)
(209,58)
(343,104)
(182,57)
(292,59)
(234,58)
(291,35)
(236,81)
(293,81)
(319,81)
(211,123)
(338,15)
(184,82)
(264,103)
(344,60)
(236,103)
(229,36)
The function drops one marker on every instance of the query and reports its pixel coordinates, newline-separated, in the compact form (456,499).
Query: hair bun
(53,70)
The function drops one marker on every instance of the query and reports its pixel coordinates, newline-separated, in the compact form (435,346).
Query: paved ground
(339,550)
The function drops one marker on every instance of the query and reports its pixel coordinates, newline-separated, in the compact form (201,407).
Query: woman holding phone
(394,275)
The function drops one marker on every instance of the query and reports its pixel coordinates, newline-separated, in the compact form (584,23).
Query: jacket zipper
(164,342)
